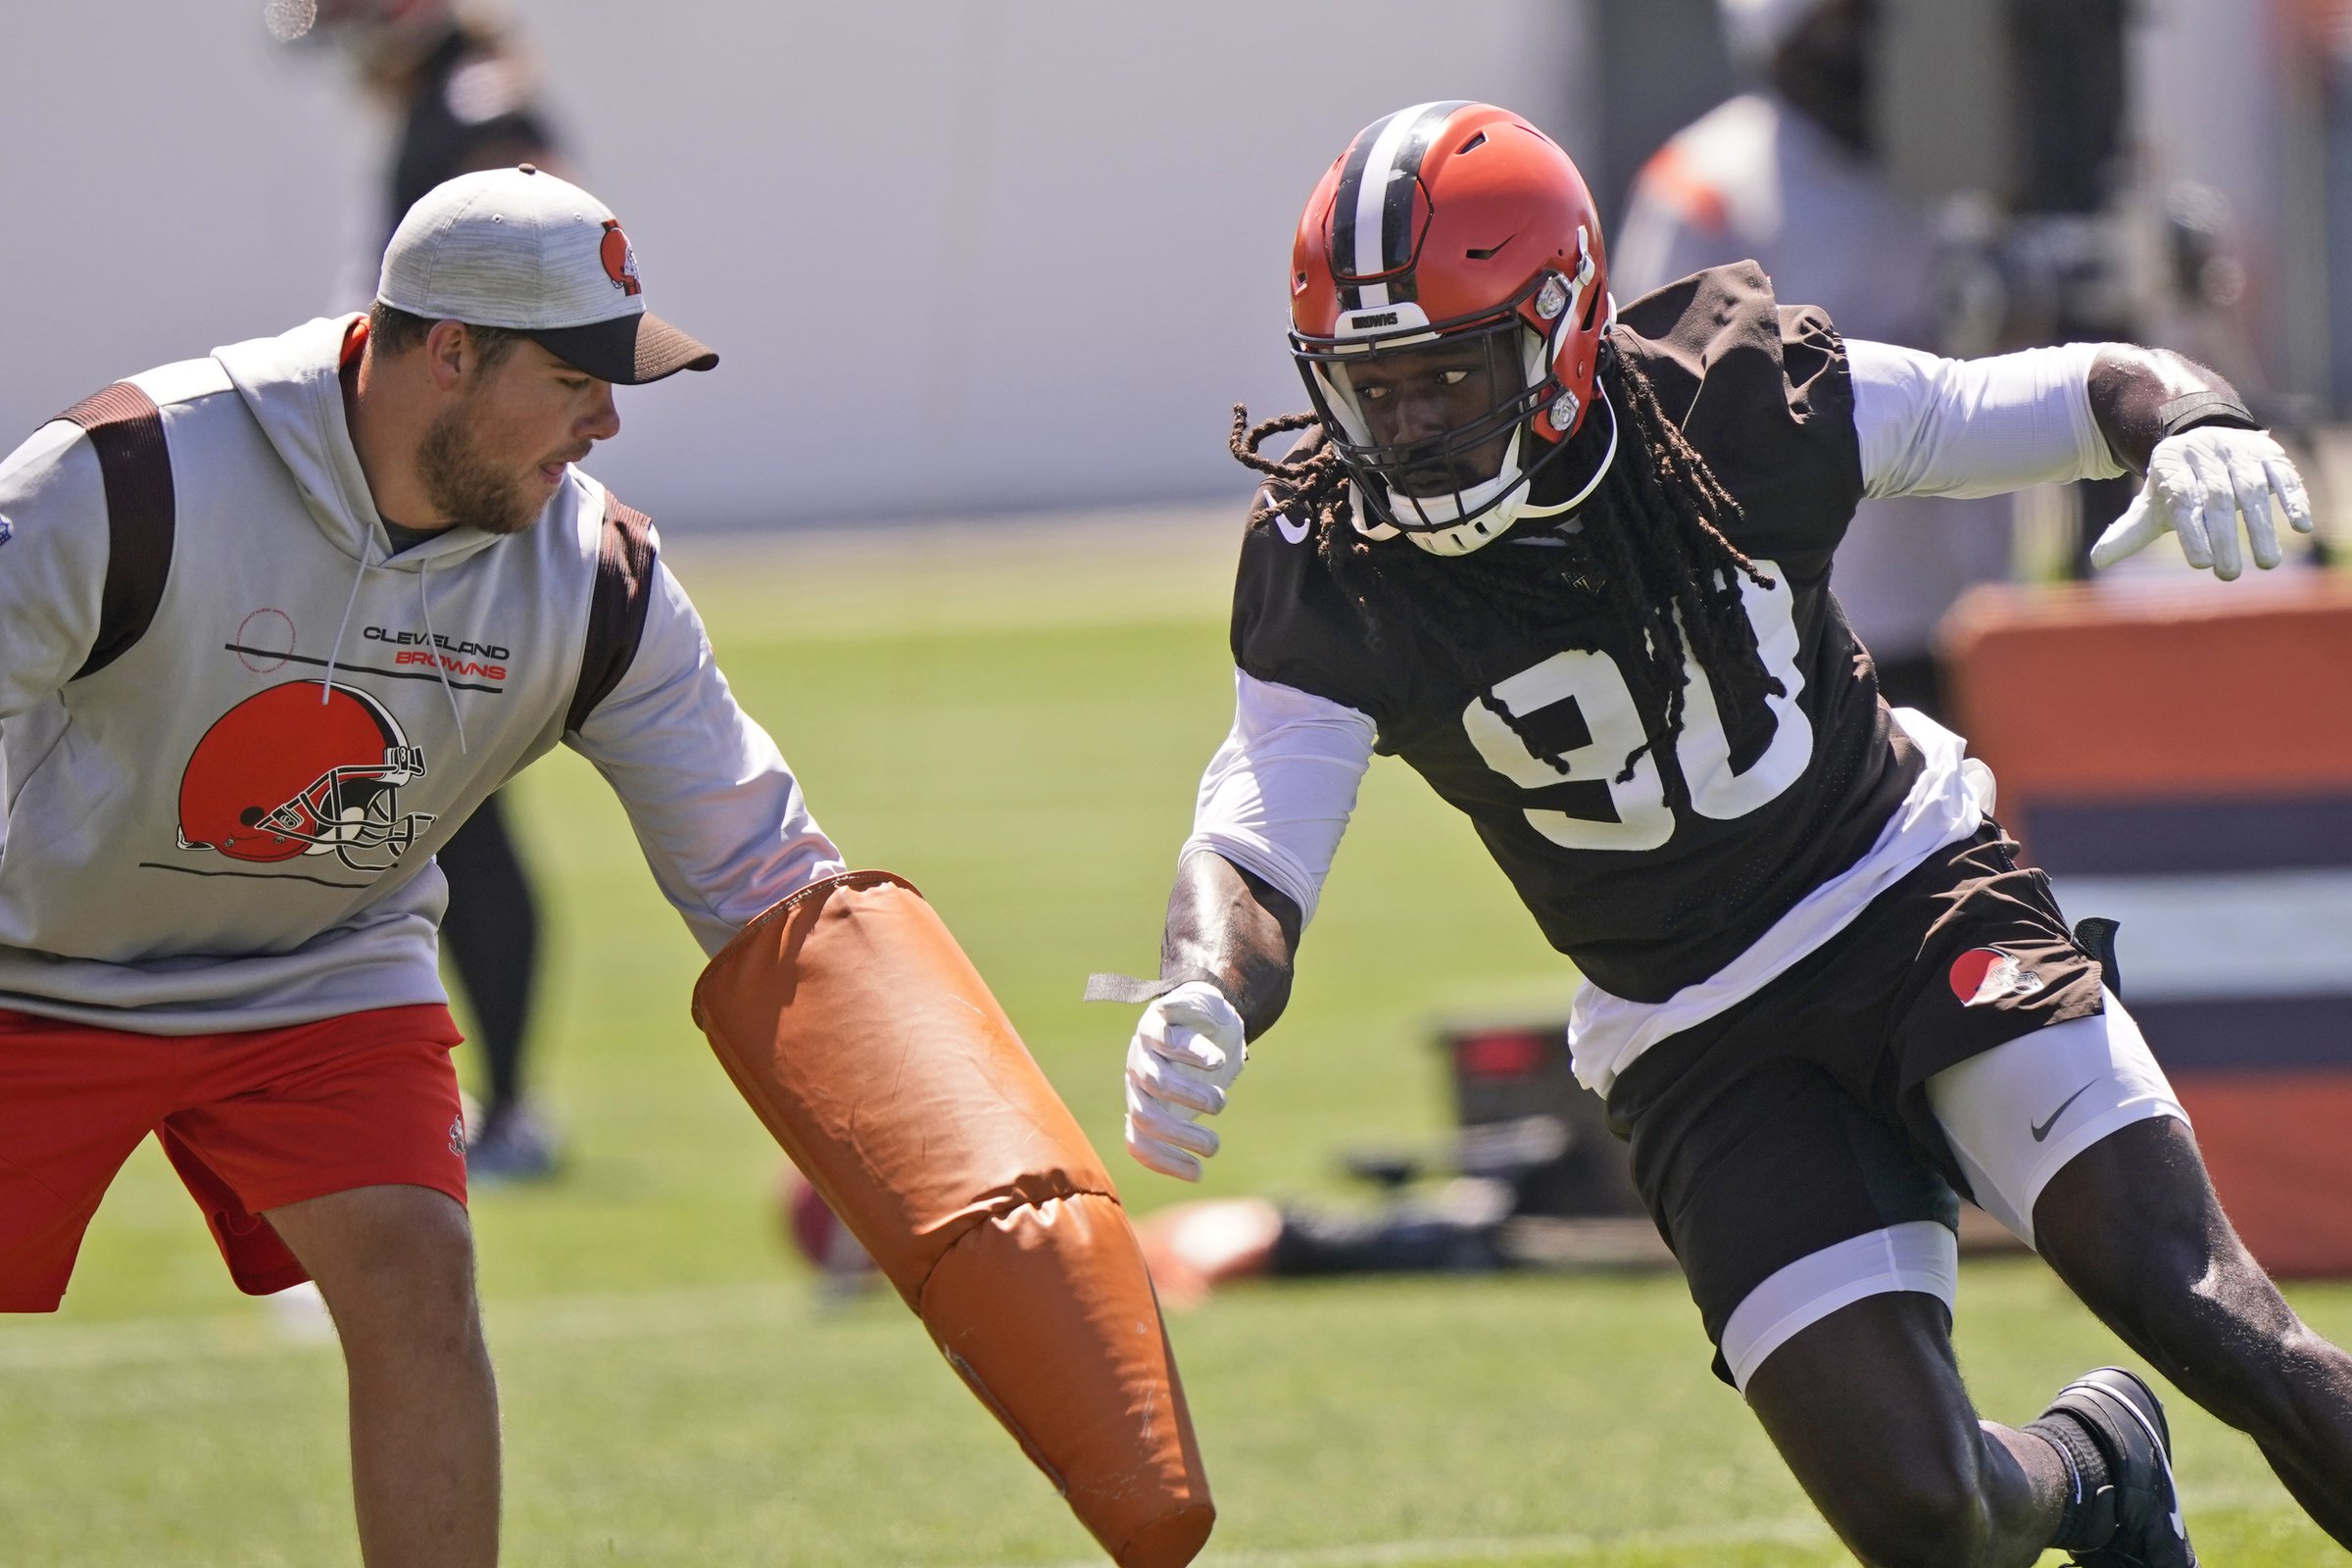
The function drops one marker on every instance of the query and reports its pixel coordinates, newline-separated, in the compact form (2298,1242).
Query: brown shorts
(252,1120)
(1799,1118)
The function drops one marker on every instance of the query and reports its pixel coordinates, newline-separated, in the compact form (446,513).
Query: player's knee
(1922,1510)
(429,1268)
(2204,1311)
(403,1274)
(2278,1382)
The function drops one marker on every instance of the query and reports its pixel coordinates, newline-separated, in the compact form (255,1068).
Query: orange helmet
(1455,223)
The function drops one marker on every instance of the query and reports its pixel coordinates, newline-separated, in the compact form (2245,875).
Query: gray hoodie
(231,826)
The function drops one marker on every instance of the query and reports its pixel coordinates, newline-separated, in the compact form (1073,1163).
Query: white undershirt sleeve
(1277,794)
(1932,426)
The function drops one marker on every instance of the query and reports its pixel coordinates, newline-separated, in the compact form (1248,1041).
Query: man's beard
(465,487)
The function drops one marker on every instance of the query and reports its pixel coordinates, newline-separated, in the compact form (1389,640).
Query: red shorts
(252,1120)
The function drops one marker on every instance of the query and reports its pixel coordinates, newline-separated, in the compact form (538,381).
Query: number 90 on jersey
(1613,722)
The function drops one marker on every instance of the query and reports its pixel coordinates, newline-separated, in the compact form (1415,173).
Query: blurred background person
(1791,176)
(454,78)
(1530,1179)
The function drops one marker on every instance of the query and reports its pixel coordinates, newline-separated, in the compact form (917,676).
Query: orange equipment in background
(2179,756)
(857,1028)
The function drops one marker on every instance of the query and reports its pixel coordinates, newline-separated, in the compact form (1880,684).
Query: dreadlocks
(1315,484)
(1651,554)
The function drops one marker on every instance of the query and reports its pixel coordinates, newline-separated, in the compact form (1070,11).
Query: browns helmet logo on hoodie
(305,767)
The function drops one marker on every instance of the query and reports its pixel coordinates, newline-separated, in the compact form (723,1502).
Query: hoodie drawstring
(425,603)
(327,687)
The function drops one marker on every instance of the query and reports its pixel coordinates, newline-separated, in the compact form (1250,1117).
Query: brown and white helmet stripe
(1372,237)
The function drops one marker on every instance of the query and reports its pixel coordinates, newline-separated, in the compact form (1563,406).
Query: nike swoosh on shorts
(2043,1130)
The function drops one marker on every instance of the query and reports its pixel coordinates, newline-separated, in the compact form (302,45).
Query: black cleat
(2127,1424)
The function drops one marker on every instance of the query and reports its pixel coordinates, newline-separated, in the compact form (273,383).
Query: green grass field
(1015,722)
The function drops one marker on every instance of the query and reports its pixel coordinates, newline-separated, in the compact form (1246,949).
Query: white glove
(2198,482)
(1185,1055)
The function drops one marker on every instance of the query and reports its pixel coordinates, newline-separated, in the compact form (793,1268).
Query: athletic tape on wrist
(1126,988)
(2197,409)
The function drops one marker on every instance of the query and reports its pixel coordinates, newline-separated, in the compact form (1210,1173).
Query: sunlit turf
(1018,728)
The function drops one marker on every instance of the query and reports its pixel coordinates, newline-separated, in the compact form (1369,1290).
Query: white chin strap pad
(1464,537)
(1460,538)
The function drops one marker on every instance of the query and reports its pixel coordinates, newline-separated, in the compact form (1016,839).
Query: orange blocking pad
(2109,691)
(1037,1283)
(855,1027)
(2179,757)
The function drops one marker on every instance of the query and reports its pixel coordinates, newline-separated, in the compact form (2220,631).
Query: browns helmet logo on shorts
(619,258)
(305,767)
(1984,975)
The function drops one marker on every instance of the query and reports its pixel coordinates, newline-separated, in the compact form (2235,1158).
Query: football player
(1573,564)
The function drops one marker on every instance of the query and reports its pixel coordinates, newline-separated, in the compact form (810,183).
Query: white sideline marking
(42,1347)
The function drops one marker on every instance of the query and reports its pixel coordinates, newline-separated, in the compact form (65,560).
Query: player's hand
(1185,1055)
(2199,483)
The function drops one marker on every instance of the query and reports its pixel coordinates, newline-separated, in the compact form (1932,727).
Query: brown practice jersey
(1655,880)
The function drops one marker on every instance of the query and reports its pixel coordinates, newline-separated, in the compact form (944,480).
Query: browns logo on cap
(620,258)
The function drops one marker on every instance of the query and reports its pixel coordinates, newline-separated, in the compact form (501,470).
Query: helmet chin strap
(1449,514)
(1463,537)
(1600,469)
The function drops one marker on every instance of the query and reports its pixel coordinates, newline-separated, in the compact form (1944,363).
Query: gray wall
(1657,64)
(958,255)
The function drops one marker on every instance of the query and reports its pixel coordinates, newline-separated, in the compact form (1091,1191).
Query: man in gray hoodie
(271,623)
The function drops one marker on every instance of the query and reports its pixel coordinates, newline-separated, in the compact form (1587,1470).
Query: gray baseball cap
(519,249)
